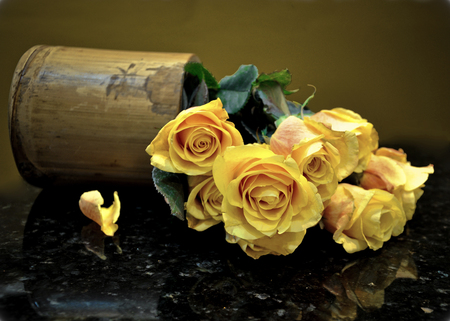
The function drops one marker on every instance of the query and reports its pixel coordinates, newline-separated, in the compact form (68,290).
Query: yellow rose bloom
(388,170)
(203,207)
(360,218)
(341,120)
(264,194)
(190,143)
(294,130)
(345,142)
(316,158)
(290,132)
(317,161)
(279,244)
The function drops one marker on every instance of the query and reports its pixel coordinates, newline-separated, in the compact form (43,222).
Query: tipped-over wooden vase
(87,115)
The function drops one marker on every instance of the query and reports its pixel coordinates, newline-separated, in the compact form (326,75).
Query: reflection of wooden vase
(87,115)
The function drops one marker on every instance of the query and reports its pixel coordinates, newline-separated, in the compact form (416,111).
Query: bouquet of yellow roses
(241,155)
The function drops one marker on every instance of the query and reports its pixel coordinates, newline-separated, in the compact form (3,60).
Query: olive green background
(386,60)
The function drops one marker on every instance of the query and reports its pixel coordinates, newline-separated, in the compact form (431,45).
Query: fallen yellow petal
(426,310)
(90,205)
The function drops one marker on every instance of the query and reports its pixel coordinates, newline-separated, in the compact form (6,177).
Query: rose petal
(337,216)
(229,166)
(344,120)
(398,155)
(416,176)
(279,244)
(290,132)
(90,203)
(388,170)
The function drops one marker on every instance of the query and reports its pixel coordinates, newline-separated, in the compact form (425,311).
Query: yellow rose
(388,170)
(362,218)
(341,120)
(290,132)
(203,207)
(279,244)
(345,142)
(317,161)
(190,143)
(264,194)
(341,148)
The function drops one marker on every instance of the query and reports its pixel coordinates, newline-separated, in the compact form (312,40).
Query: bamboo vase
(87,115)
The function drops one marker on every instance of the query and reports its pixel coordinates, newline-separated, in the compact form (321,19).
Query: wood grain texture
(79,114)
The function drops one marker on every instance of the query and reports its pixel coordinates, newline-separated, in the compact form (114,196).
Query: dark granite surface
(55,265)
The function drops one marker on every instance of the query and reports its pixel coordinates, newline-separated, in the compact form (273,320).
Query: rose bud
(203,207)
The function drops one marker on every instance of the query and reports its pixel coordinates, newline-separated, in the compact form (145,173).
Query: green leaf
(289,92)
(267,135)
(264,132)
(282,77)
(171,186)
(197,69)
(281,119)
(300,110)
(241,80)
(273,98)
(201,96)
(184,100)
(233,101)
(254,132)
(299,114)
(294,107)
(235,89)
(271,90)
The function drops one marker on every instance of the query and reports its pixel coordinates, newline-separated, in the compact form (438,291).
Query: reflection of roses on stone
(267,196)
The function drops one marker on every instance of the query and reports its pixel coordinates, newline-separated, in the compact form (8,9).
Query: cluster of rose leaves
(269,192)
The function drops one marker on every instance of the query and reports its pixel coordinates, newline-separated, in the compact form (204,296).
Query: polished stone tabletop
(56,265)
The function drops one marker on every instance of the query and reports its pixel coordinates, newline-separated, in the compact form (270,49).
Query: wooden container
(83,115)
